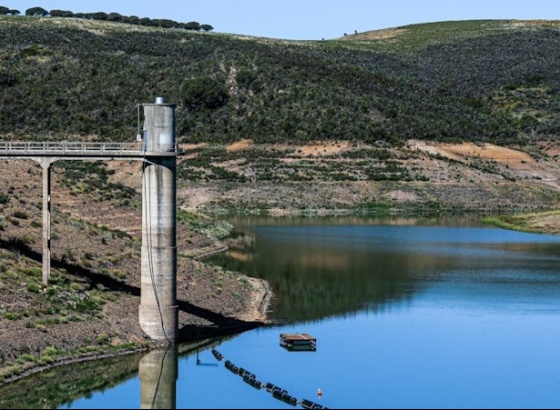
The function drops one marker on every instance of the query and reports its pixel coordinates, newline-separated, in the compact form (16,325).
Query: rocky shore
(118,332)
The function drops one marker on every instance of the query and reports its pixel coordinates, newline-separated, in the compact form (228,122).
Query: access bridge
(156,147)
(82,150)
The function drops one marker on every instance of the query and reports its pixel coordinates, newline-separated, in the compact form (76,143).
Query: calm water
(428,314)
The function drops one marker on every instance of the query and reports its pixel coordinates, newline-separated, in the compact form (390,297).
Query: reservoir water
(406,314)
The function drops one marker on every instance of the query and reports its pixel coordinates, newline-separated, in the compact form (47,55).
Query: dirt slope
(440,176)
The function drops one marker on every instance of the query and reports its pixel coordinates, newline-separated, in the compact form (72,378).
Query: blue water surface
(465,317)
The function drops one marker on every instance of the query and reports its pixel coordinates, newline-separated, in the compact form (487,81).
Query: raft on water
(298,341)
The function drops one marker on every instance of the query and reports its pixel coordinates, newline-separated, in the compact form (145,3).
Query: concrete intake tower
(157,150)
(158,312)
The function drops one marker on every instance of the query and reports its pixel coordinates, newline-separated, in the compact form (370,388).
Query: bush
(12,315)
(20,214)
(204,93)
(245,78)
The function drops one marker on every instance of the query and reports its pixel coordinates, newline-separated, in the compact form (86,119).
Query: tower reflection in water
(158,372)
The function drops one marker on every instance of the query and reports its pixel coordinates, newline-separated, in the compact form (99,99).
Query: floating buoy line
(276,391)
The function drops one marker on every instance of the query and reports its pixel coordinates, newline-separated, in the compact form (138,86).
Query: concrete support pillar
(158,312)
(46,165)
(158,371)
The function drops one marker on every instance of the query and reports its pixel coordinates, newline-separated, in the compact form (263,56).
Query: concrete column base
(160,323)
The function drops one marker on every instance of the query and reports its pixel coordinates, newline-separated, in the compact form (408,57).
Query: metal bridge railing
(77,148)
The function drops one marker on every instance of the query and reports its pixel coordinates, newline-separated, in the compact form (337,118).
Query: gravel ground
(96,258)
(203,313)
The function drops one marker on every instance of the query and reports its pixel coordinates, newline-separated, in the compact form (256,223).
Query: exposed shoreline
(254,316)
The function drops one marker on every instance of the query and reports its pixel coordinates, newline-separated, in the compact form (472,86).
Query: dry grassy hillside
(429,176)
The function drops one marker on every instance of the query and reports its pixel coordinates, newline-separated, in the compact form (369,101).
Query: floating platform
(298,341)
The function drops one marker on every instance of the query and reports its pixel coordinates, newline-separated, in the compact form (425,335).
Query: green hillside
(494,81)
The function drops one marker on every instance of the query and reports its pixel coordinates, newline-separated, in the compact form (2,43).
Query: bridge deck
(81,149)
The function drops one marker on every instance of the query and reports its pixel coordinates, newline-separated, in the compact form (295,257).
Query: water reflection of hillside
(323,269)
(312,282)
(62,386)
